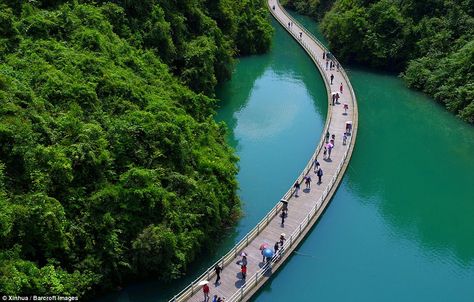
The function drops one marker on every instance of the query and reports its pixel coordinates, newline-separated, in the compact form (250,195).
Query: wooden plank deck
(303,210)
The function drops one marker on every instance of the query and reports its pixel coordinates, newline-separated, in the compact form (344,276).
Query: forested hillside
(430,42)
(111,165)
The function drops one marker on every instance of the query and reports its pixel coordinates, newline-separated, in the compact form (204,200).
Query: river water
(401,225)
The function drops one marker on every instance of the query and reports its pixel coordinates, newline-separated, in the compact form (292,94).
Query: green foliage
(110,167)
(429,41)
(258,36)
(315,8)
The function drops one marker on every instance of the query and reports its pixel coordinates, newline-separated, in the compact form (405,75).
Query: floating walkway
(304,210)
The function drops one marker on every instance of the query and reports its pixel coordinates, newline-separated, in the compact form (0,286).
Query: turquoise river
(401,225)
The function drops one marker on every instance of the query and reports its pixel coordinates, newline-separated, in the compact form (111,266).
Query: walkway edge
(312,222)
(256,281)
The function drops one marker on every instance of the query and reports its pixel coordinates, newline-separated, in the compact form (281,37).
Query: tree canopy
(111,165)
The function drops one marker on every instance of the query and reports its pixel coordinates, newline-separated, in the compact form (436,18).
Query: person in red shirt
(205,290)
(243,269)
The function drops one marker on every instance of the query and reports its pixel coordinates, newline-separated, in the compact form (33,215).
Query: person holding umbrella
(268,254)
(243,261)
(205,289)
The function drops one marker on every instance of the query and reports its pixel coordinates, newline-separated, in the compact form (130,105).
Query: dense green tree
(111,165)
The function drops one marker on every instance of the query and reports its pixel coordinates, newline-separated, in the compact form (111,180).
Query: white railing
(235,251)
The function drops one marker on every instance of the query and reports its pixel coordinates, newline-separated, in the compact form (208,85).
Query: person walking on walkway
(301,34)
(320,174)
(276,247)
(330,146)
(218,270)
(282,239)
(340,88)
(307,181)
(316,165)
(337,66)
(283,215)
(243,270)
(327,136)
(324,55)
(297,188)
(327,64)
(205,290)
(332,78)
(344,138)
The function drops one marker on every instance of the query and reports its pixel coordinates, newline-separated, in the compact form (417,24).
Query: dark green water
(401,225)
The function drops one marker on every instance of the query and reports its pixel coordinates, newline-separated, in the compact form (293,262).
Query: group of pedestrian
(330,64)
(206,291)
(218,299)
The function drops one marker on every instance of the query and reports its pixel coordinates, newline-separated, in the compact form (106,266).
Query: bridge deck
(303,210)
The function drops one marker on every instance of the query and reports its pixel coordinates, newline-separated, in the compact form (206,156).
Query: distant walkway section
(252,261)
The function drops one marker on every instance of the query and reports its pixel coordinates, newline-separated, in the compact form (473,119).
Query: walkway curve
(304,210)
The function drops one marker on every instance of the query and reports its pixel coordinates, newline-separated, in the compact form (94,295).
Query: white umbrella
(203,282)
